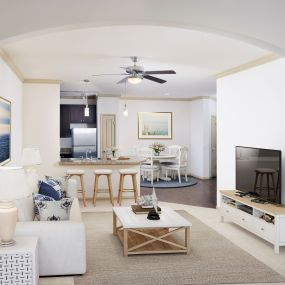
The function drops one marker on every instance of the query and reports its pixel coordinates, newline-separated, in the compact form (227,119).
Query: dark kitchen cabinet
(74,114)
(64,121)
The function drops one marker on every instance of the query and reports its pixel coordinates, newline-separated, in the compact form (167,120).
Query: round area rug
(170,184)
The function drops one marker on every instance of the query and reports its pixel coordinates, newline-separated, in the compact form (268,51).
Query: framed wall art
(155,125)
(5,131)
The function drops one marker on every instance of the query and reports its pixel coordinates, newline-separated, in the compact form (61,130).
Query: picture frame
(155,125)
(5,131)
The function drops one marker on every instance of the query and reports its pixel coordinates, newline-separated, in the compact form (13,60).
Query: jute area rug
(213,259)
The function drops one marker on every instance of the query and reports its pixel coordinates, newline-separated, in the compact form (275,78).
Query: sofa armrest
(71,189)
(62,246)
(75,213)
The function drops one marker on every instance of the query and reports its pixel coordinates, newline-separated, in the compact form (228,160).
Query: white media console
(249,215)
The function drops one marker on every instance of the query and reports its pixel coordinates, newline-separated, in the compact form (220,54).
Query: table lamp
(30,158)
(13,185)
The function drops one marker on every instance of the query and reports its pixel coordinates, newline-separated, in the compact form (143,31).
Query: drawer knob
(243,219)
(228,211)
(262,229)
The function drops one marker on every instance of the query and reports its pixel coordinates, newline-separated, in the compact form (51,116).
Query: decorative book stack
(137,209)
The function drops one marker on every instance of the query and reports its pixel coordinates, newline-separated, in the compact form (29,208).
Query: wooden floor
(202,194)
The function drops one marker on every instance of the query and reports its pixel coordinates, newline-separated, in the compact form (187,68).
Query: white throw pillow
(54,210)
(25,208)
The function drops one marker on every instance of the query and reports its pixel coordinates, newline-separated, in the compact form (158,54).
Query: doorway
(108,132)
(213,146)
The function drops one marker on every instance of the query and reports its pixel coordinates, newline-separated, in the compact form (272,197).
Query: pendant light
(86,109)
(126,111)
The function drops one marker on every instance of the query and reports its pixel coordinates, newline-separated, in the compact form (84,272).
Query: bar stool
(107,173)
(268,173)
(80,173)
(133,173)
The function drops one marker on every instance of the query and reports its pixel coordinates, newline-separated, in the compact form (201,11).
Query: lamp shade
(13,183)
(31,156)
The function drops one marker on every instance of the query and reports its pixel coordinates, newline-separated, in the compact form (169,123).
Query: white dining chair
(179,164)
(149,170)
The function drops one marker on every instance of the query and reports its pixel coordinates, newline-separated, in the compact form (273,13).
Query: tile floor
(257,247)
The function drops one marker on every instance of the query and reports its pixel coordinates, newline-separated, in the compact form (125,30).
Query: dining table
(161,157)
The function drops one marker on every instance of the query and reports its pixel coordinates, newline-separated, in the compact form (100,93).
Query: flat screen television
(258,171)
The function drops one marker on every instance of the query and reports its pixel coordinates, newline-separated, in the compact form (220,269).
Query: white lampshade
(13,184)
(31,156)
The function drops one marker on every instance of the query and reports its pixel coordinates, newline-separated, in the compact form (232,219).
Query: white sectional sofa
(62,244)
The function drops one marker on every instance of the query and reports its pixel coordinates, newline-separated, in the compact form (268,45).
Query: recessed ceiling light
(166,94)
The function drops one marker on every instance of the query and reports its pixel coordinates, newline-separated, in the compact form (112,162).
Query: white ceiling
(74,55)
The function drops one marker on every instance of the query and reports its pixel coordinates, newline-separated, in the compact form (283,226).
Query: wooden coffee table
(142,236)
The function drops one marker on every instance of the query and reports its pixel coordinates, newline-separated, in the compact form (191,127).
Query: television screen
(259,171)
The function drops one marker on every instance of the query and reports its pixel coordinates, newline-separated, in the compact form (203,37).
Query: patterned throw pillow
(54,210)
(58,184)
(40,197)
(50,189)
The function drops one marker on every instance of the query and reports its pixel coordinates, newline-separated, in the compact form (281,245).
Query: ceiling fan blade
(152,78)
(160,72)
(123,80)
(109,74)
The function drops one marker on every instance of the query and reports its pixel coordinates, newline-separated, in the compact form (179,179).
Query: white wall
(191,127)
(41,123)
(11,89)
(250,112)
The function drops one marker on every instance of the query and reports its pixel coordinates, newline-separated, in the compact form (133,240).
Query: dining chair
(179,164)
(148,168)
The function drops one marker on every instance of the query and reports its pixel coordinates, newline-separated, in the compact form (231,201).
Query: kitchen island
(89,165)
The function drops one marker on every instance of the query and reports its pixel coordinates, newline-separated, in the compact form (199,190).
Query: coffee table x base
(151,240)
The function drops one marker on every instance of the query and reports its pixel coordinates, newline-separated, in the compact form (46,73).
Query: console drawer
(266,230)
(243,219)
(228,211)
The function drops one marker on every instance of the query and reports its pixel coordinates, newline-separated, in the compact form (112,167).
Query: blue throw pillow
(49,190)
(56,184)
(40,197)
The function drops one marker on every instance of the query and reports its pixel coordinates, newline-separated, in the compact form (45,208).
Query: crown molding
(170,99)
(248,65)
(11,64)
(42,81)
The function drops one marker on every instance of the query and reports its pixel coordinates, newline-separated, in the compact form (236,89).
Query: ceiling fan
(135,74)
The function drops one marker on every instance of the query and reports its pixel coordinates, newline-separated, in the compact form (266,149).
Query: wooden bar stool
(133,173)
(108,174)
(79,173)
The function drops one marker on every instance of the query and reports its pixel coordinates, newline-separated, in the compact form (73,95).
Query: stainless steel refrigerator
(84,141)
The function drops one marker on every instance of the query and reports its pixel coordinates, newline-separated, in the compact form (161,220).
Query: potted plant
(114,149)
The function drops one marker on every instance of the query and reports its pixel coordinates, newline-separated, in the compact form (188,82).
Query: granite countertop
(96,161)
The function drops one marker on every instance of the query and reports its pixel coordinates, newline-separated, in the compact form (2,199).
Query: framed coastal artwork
(155,125)
(5,131)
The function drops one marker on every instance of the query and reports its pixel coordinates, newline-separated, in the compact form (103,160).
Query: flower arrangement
(114,149)
(157,148)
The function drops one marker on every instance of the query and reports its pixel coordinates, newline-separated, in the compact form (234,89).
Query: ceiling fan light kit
(135,73)
(134,79)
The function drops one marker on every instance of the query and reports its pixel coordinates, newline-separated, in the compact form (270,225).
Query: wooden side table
(19,263)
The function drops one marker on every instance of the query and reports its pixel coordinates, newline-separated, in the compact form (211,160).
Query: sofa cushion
(54,210)
(25,209)
(50,189)
(40,197)
(58,184)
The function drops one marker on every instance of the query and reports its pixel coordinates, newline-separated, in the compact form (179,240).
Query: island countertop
(96,161)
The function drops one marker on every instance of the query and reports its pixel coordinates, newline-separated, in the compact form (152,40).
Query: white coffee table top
(168,218)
